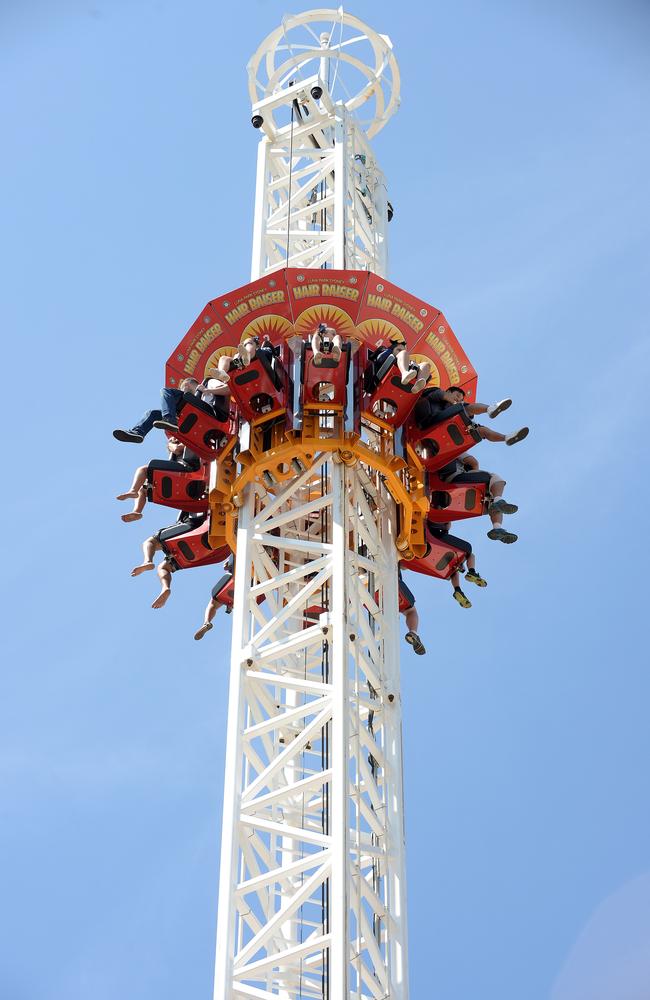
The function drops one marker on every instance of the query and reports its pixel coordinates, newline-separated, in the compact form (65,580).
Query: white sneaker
(496,408)
(410,375)
(517,436)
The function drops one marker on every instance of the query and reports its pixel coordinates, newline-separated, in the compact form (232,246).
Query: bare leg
(424,370)
(139,477)
(488,434)
(223,367)
(474,408)
(149,547)
(497,486)
(403,359)
(316,347)
(138,507)
(210,612)
(248,351)
(412,619)
(165,577)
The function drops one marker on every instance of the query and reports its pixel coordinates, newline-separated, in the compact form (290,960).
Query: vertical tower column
(312,900)
(312,895)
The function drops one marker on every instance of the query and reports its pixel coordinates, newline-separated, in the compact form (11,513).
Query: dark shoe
(165,425)
(517,436)
(461,598)
(501,506)
(501,535)
(414,640)
(473,577)
(128,436)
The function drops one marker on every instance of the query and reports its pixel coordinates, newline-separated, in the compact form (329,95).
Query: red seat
(261,388)
(440,444)
(180,490)
(224,591)
(201,431)
(454,502)
(324,386)
(440,561)
(389,400)
(192,548)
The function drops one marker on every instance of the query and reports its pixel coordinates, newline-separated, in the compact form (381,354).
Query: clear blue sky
(518,167)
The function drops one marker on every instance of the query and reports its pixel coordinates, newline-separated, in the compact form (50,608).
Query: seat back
(201,430)
(389,401)
(324,386)
(180,490)
(440,561)
(225,589)
(261,388)
(440,444)
(192,548)
(451,502)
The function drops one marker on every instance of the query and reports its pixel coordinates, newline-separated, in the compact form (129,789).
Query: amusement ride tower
(317,485)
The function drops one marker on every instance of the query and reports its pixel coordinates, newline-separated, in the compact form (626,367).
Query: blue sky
(518,166)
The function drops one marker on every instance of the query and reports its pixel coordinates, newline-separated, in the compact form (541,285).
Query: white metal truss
(321,196)
(312,895)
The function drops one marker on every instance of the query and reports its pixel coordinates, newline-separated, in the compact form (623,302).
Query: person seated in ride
(465,470)
(436,405)
(137,490)
(324,340)
(214,392)
(164,418)
(186,522)
(247,351)
(213,603)
(441,532)
(411,616)
(409,370)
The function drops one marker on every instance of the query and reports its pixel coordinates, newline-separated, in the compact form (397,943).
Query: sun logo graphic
(276,327)
(379,332)
(333,316)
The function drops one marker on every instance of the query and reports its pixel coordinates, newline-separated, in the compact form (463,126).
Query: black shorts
(472,477)
(174,530)
(166,465)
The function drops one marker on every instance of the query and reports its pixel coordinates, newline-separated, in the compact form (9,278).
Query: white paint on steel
(312,895)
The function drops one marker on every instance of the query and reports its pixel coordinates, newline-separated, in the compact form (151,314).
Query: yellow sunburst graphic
(273,326)
(213,360)
(332,316)
(379,331)
(434,377)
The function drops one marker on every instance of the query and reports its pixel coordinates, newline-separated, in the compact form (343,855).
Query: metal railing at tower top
(321,85)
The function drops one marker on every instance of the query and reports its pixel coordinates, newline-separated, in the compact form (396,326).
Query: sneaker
(202,631)
(165,425)
(461,598)
(496,408)
(517,436)
(501,506)
(410,375)
(336,352)
(501,535)
(419,384)
(128,436)
(473,577)
(318,358)
(414,640)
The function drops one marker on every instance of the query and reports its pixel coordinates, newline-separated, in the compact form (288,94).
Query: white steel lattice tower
(312,900)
